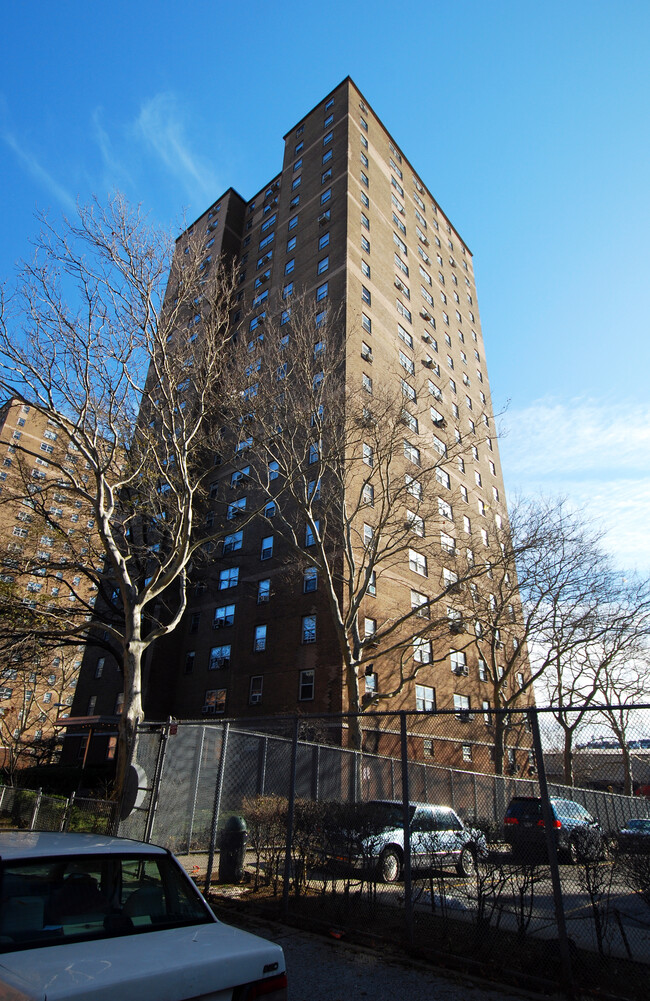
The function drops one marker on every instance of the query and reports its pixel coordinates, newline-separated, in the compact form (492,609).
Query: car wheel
(465,865)
(390,865)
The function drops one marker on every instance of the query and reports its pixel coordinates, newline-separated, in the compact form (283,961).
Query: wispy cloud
(161,127)
(117,172)
(598,454)
(39,173)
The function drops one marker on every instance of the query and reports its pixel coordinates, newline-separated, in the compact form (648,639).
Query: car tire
(390,865)
(465,865)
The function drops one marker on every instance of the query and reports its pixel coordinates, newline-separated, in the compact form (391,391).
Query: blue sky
(529,122)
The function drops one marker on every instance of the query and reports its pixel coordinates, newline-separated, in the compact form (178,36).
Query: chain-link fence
(519,835)
(33,810)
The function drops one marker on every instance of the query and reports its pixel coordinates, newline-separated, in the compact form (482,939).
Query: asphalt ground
(320,969)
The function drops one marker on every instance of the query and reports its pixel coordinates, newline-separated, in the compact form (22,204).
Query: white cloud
(116,171)
(595,453)
(159,125)
(40,174)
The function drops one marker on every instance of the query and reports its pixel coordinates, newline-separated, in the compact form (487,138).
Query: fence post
(290,809)
(406,824)
(475,798)
(155,783)
(452,790)
(67,814)
(37,806)
(547,815)
(198,759)
(216,808)
(264,750)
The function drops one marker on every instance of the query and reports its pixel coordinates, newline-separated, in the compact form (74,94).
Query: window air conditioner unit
(217,624)
(425,316)
(465,716)
(456,627)
(427,362)
(207,709)
(425,337)
(255,698)
(322,220)
(440,424)
(397,283)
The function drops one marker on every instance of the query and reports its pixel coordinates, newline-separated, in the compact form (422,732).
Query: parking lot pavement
(322,970)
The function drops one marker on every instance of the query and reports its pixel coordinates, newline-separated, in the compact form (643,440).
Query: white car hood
(168,965)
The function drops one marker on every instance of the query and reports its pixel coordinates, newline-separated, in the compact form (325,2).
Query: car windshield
(59,899)
(389,815)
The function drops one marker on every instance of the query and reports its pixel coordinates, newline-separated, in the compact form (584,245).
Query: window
(297,165)
(255,692)
(269,509)
(321,317)
(266,548)
(233,542)
(410,421)
(326,176)
(439,445)
(314,452)
(368,494)
(364,159)
(321,291)
(324,241)
(263,591)
(458,662)
(372,584)
(325,196)
(420,604)
(309,629)
(368,454)
(403,311)
(259,642)
(365,221)
(366,323)
(445,509)
(484,537)
(215,700)
(369,627)
(467,752)
(366,382)
(327,156)
(365,244)
(311,534)
(219,658)
(99,667)
(422,650)
(323,265)
(327,138)
(364,179)
(368,533)
(408,391)
(425,698)
(289,266)
(447,543)
(236,508)
(443,477)
(482,670)
(306,686)
(413,487)
(417,563)
(293,222)
(310,580)
(228,578)
(462,706)
(291,244)
(224,616)
(412,453)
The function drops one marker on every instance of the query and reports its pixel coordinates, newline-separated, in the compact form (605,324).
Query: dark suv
(577,834)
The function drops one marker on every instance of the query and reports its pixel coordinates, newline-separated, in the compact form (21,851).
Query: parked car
(85,916)
(577,834)
(634,837)
(437,836)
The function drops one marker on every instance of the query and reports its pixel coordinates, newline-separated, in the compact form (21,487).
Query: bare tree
(549,601)
(598,667)
(130,381)
(623,685)
(362,505)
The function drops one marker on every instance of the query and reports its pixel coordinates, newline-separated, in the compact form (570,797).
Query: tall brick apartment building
(43,533)
(347,221)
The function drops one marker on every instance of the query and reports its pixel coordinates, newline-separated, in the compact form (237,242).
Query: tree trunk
(132,712)
(568,757)
(628,781)
(499,735)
